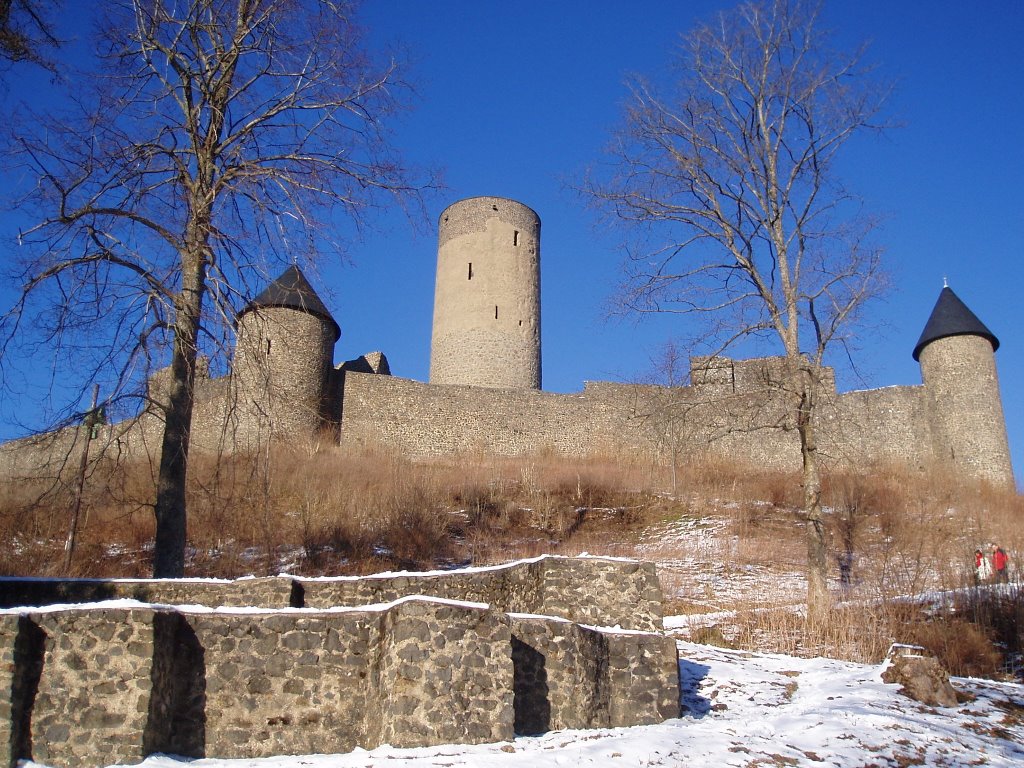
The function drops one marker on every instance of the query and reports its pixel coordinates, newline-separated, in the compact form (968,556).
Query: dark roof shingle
(293,291)
(951,317)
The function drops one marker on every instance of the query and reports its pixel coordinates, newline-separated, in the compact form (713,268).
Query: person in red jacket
(982,568)
(999,564)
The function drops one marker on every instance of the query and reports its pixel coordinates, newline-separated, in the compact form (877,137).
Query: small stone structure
(116,681)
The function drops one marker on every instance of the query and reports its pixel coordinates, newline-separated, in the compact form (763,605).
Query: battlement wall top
(757,374)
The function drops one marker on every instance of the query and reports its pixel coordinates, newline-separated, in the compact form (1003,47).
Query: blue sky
(517,98)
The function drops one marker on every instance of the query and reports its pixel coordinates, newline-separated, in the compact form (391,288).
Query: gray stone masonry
(271,592)
(444,676)
(642,423)
(598,591)
(590,590)
(92,684)
(570,676)
(9,722)
(290,683)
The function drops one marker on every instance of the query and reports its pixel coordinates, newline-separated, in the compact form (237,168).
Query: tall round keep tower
(958,366)
(487,296)
(283,356)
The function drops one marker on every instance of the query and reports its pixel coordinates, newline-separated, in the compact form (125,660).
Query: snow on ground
(746,709)
(699,566)
(740,709)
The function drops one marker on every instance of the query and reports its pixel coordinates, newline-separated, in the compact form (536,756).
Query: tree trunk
(169,553)
(817,553)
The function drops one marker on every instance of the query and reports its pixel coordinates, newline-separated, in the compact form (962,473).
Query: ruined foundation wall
(89,685)
(598,591)
(594,591)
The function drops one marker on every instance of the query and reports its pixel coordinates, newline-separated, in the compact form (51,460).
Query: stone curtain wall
(877,426)
(860,429)
(425,420)
(90,685)
(733,412)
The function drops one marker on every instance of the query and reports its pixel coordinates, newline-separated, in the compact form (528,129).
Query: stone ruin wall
(91,685)
(598,591)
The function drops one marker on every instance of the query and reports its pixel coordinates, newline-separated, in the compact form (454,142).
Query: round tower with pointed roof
(283,358)
(957,356)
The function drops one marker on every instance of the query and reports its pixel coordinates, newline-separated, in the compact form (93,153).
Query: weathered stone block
(476,703)
(67,710)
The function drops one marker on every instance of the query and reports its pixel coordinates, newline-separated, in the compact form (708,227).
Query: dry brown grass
(318,510)
(315,510)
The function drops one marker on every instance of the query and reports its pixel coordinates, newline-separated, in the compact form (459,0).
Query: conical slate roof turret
(951,317)
(293,291)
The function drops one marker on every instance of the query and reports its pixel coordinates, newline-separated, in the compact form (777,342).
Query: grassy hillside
(728,539)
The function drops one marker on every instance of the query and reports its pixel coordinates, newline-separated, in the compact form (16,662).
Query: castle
(484,393)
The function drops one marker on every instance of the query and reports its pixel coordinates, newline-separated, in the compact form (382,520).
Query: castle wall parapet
(638,421)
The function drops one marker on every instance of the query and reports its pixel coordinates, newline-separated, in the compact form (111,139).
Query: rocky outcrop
(919,676)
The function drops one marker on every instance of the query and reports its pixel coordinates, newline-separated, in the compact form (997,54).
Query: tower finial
(945,282)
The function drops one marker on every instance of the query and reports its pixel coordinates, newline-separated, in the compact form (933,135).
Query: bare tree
(217,139)
(26,31)
(729,176)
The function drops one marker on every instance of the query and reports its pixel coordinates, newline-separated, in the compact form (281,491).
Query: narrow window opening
(515,237)
(268,347)
(520,323)
(470,271)
(495,311)
(494,207)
